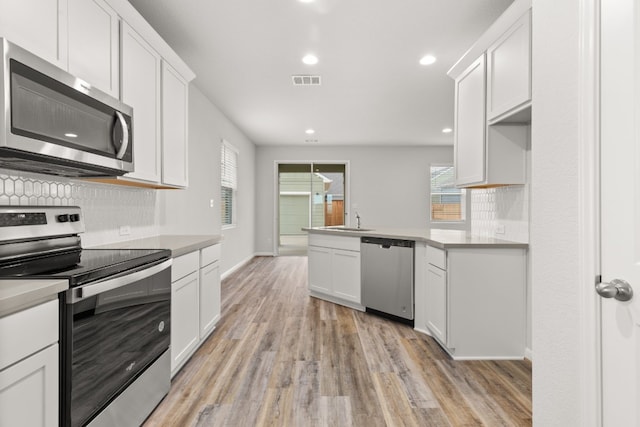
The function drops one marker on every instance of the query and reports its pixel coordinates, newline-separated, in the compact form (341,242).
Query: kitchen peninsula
(469,291)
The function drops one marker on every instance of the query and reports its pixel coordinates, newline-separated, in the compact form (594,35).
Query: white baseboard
(243,262)
(528,354)
(236,267)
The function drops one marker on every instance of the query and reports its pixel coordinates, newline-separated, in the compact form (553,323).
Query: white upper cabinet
(175,92)
(509,71)
(38,26)
(111,46)
(93,53)
(470,125)
(140,82)
(493,103)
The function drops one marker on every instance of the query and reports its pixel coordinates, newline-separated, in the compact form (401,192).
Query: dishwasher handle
(385,243)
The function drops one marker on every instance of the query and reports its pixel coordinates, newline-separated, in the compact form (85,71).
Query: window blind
(229,166)
(228,182)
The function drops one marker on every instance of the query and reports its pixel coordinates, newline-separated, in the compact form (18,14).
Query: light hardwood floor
(282,358)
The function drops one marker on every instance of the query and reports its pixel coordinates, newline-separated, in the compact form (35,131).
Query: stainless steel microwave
(55,123)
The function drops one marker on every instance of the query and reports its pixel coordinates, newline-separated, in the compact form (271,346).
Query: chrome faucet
(357,219)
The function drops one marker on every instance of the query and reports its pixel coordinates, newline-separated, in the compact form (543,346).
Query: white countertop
(177,244)
(20,294)
(445,239)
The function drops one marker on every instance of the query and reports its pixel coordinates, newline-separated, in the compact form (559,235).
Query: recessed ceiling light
(310,59)
(447,130)
(427,60)
(71,135)
(309,131)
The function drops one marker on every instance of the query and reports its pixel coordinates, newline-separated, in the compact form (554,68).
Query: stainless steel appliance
(387,277)
(55,123)
(114,318)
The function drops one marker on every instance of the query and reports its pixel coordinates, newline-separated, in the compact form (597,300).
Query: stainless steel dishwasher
(387,276)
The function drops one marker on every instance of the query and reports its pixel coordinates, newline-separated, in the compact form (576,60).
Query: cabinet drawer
(335,242)
(437,257)
(28,331)
(209,255)
(184,265)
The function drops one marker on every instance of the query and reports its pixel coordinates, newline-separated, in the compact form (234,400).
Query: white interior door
(620,209)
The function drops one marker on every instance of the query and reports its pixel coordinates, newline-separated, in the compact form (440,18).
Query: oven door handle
(118,282)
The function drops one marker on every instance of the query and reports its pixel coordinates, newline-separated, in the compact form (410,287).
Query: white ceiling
(373,90)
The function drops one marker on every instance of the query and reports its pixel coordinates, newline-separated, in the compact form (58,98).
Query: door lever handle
(617,288)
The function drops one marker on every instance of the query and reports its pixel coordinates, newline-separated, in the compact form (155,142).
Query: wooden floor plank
(279,357)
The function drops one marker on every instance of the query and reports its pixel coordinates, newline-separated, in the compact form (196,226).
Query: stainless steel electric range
(114,318)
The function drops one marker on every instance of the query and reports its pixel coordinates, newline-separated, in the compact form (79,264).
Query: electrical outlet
(125,230)
(499,229)
(211,203)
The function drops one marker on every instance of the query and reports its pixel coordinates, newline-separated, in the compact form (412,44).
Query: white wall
(554,214)
(188,211)
(387,183)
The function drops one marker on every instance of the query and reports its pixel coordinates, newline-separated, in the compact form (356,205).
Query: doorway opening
(309,195)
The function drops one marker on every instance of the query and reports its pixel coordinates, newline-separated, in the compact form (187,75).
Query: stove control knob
(63,218)
(74,217)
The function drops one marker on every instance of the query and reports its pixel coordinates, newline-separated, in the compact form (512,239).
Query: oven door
(113,329)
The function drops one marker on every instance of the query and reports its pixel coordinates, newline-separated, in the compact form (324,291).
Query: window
(228,183)
(447,201)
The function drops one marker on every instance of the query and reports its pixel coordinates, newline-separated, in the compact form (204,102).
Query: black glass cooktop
(83,266)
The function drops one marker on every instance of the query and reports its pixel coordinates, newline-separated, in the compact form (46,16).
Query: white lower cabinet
(195,302)
(346,275)
(334,269)
(320,277)
(436,300)
(29,391)
(209,289)
(184,315)
(29,367)
(475,301)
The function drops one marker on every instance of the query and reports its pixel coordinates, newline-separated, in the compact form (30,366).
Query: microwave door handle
(118,282)
(124,144)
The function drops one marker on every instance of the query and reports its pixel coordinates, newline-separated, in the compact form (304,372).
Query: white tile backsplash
(105,207)
(494,208)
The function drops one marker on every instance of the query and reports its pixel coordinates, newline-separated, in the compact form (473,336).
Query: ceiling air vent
(305,80)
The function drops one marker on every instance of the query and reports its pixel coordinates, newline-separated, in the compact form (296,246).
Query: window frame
(229,173)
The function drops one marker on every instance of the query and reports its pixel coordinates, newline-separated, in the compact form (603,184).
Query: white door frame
(589,219)
(276,195)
